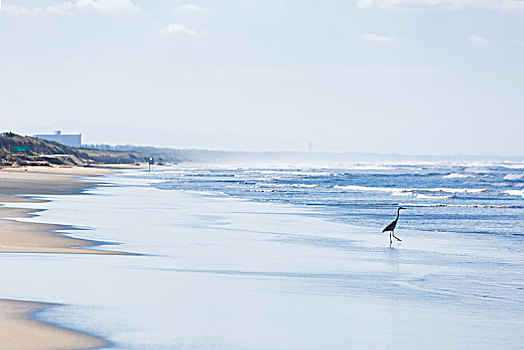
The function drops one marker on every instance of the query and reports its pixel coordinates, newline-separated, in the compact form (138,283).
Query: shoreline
(19,330)
(20,185)
(205,255)
(18,327)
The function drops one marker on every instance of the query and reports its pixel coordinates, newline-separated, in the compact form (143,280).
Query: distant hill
(16,150)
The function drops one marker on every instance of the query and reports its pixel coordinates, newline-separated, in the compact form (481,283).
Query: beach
(18,329)
(262,175)
(211,271)
(19,185)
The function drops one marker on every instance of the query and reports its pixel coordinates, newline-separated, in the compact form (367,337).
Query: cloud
(103,6)
(498,5)
(14,10)
(191,8)
(70,7)
(478,39)
(518,42)
(175,28)
(377,38)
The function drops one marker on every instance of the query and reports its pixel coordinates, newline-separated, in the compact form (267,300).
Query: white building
(73,140)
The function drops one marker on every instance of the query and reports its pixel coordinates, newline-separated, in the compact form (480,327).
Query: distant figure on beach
(391,227)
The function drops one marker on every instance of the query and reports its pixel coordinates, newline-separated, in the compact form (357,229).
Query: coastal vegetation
(17,150)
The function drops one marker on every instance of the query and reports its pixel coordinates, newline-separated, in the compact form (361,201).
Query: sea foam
(457,176)
(514,177)
(515,192)
(399,191)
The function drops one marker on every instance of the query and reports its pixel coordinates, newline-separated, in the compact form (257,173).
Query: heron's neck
(398,213)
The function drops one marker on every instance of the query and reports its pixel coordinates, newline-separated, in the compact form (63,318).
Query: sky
(387,76)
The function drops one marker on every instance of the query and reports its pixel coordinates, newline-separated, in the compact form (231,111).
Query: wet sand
(22,237)
(18,329)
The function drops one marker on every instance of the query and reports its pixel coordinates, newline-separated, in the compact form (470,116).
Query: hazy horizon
(378,76)
(106,134)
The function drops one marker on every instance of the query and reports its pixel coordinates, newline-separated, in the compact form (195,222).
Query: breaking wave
(457,176)
(514,177)
(407,191)
(515,192)
(425,196)
(461,205)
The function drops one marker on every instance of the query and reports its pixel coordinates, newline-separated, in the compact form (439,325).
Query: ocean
(474,198)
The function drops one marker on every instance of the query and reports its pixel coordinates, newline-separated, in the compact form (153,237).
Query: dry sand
(18,330)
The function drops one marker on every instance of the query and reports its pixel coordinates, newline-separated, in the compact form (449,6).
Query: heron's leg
(398,239)
(390,241)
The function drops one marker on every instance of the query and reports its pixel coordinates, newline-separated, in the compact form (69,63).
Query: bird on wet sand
(391,227)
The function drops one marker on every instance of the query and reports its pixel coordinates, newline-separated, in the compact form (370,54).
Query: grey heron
(391,227)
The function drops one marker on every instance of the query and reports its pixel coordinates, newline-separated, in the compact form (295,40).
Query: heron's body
(391,227)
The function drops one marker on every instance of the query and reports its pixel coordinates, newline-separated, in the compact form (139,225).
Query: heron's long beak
(402,208)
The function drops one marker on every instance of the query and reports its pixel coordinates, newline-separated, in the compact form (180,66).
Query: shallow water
(227,273)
